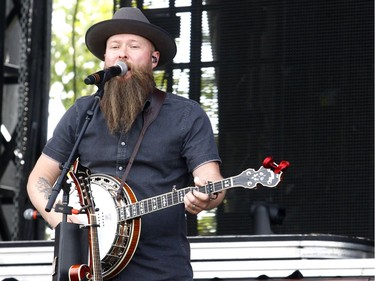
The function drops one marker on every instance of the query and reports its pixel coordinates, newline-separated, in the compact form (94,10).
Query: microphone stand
(67,165)
(69,235)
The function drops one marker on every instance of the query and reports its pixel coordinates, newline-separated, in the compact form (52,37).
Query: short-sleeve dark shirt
(176,143)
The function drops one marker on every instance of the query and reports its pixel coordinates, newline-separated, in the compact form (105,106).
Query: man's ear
(155,58)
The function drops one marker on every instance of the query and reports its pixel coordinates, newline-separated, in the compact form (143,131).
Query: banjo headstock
(269,175)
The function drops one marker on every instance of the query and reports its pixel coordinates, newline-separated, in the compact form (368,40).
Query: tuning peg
(283,165)
(268,163)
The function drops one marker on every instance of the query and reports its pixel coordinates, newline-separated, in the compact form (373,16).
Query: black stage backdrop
(296,82)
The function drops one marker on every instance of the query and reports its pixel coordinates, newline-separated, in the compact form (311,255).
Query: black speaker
(71,248)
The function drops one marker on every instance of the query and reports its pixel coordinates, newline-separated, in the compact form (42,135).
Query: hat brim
(98,34)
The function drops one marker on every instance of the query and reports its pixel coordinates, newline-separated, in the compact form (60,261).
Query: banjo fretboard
(247,179)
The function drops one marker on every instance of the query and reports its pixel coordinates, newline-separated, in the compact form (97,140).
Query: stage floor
(312,256)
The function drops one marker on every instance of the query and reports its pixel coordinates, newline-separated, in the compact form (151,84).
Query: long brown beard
(124,100)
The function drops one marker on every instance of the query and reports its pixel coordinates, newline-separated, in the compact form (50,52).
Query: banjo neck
(153,204)
(247,179)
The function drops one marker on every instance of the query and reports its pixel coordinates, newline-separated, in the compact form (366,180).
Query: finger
(189,199)
(199,182)
(200,196)
(195,208)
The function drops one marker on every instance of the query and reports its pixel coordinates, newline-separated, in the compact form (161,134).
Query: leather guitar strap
(149,115)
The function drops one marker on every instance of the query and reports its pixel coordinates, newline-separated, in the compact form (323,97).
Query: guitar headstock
(269,175)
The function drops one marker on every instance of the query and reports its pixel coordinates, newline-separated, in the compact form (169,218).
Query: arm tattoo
(43,186)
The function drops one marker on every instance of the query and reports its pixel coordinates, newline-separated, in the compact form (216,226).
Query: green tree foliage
(71,62)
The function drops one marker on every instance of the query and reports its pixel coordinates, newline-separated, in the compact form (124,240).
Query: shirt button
(122,143)
(120,168)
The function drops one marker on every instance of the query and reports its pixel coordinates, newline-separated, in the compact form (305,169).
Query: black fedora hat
(131,21)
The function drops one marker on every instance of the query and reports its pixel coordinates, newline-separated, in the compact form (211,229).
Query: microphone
(31,214)
(102,76)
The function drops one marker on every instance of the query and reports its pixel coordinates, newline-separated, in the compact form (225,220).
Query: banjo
(119,221)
